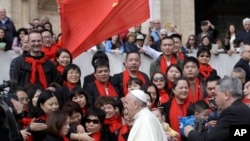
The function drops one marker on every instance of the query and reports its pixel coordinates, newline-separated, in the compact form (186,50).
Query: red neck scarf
(164,67)
(65,138)
(37,66)
(175,111)
(123,131)
(181,56)
(170,85)
(84,110)
(26,121)
(246,101)
(197,94)
(69,85)
(205,70)
(126,77)
(50,52)
(96,136)
(102,89)
(163,96)
(60,69)
(115,123)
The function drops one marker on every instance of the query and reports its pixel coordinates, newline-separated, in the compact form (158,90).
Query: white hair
(246,20)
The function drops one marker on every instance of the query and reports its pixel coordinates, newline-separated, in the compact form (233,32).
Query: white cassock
(146,127)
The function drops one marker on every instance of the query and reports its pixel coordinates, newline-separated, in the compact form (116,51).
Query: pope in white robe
(146,126)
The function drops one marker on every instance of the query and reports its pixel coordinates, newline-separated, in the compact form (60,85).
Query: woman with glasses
(192,44)
(94,124)
(160,81)
(206,70)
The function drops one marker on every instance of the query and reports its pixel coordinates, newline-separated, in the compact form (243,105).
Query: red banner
(86,23)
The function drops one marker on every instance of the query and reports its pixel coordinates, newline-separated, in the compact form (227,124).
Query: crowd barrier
(222,63)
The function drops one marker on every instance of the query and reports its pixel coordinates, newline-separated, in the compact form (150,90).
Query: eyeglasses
(204,56)
(161,79)
(23,99)
(94,121)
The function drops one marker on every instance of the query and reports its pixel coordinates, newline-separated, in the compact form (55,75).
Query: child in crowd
(134,84)
(200,110)
(171,134)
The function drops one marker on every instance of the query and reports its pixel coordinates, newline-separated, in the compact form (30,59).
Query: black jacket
(245,66)
(117,82)
(232,115)
(53,138)
(20,70)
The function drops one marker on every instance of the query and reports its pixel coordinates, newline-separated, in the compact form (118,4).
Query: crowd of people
(52,103)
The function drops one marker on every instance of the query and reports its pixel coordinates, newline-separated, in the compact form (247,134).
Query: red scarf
(60,68)
(69,85)
(163,96)
(96,136)
(50,52)
(205,70)
(37,66)
(170,85)
(26,121)
(181,56)
(84,110)
(197,94)
(65,138)
(115,123)
(164,67)
(175,111)
(246,101)
(126,77)
(101,89)
(123,131)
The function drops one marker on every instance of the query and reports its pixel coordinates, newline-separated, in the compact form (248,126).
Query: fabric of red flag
(86,23)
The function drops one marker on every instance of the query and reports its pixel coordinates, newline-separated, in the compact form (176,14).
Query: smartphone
(212,102)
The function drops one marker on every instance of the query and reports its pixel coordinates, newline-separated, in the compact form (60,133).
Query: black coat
(88,79)
(117,82)
(53,138)
(245,66)
(232,115)
(93,94)
(20,70)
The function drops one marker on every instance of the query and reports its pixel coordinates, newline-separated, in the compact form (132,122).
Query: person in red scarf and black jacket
(49,47)
(206,70)
(99,55)
(113,120)
(71,79)
(132,63)
(32,67)
(167,57)
(94,124)
(197,85)
(102,85)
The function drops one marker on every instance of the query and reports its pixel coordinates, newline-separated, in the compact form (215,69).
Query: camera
(199,124)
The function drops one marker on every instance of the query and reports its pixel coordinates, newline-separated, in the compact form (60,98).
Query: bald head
(2,13)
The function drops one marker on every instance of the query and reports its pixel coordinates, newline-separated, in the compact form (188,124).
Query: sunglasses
(94,121)
(161,79)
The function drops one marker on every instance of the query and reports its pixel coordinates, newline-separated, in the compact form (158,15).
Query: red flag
(86,23)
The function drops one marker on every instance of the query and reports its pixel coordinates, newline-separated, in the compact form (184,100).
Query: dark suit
(243,36)
(245,66)
(117,81)
(232,115)
(88,79)
(93,93)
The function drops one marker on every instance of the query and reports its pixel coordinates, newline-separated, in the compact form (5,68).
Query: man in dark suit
(244,35)
(228,95)
(244,61)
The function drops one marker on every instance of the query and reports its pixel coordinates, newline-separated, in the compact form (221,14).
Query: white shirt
(146,127)
(151,52)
